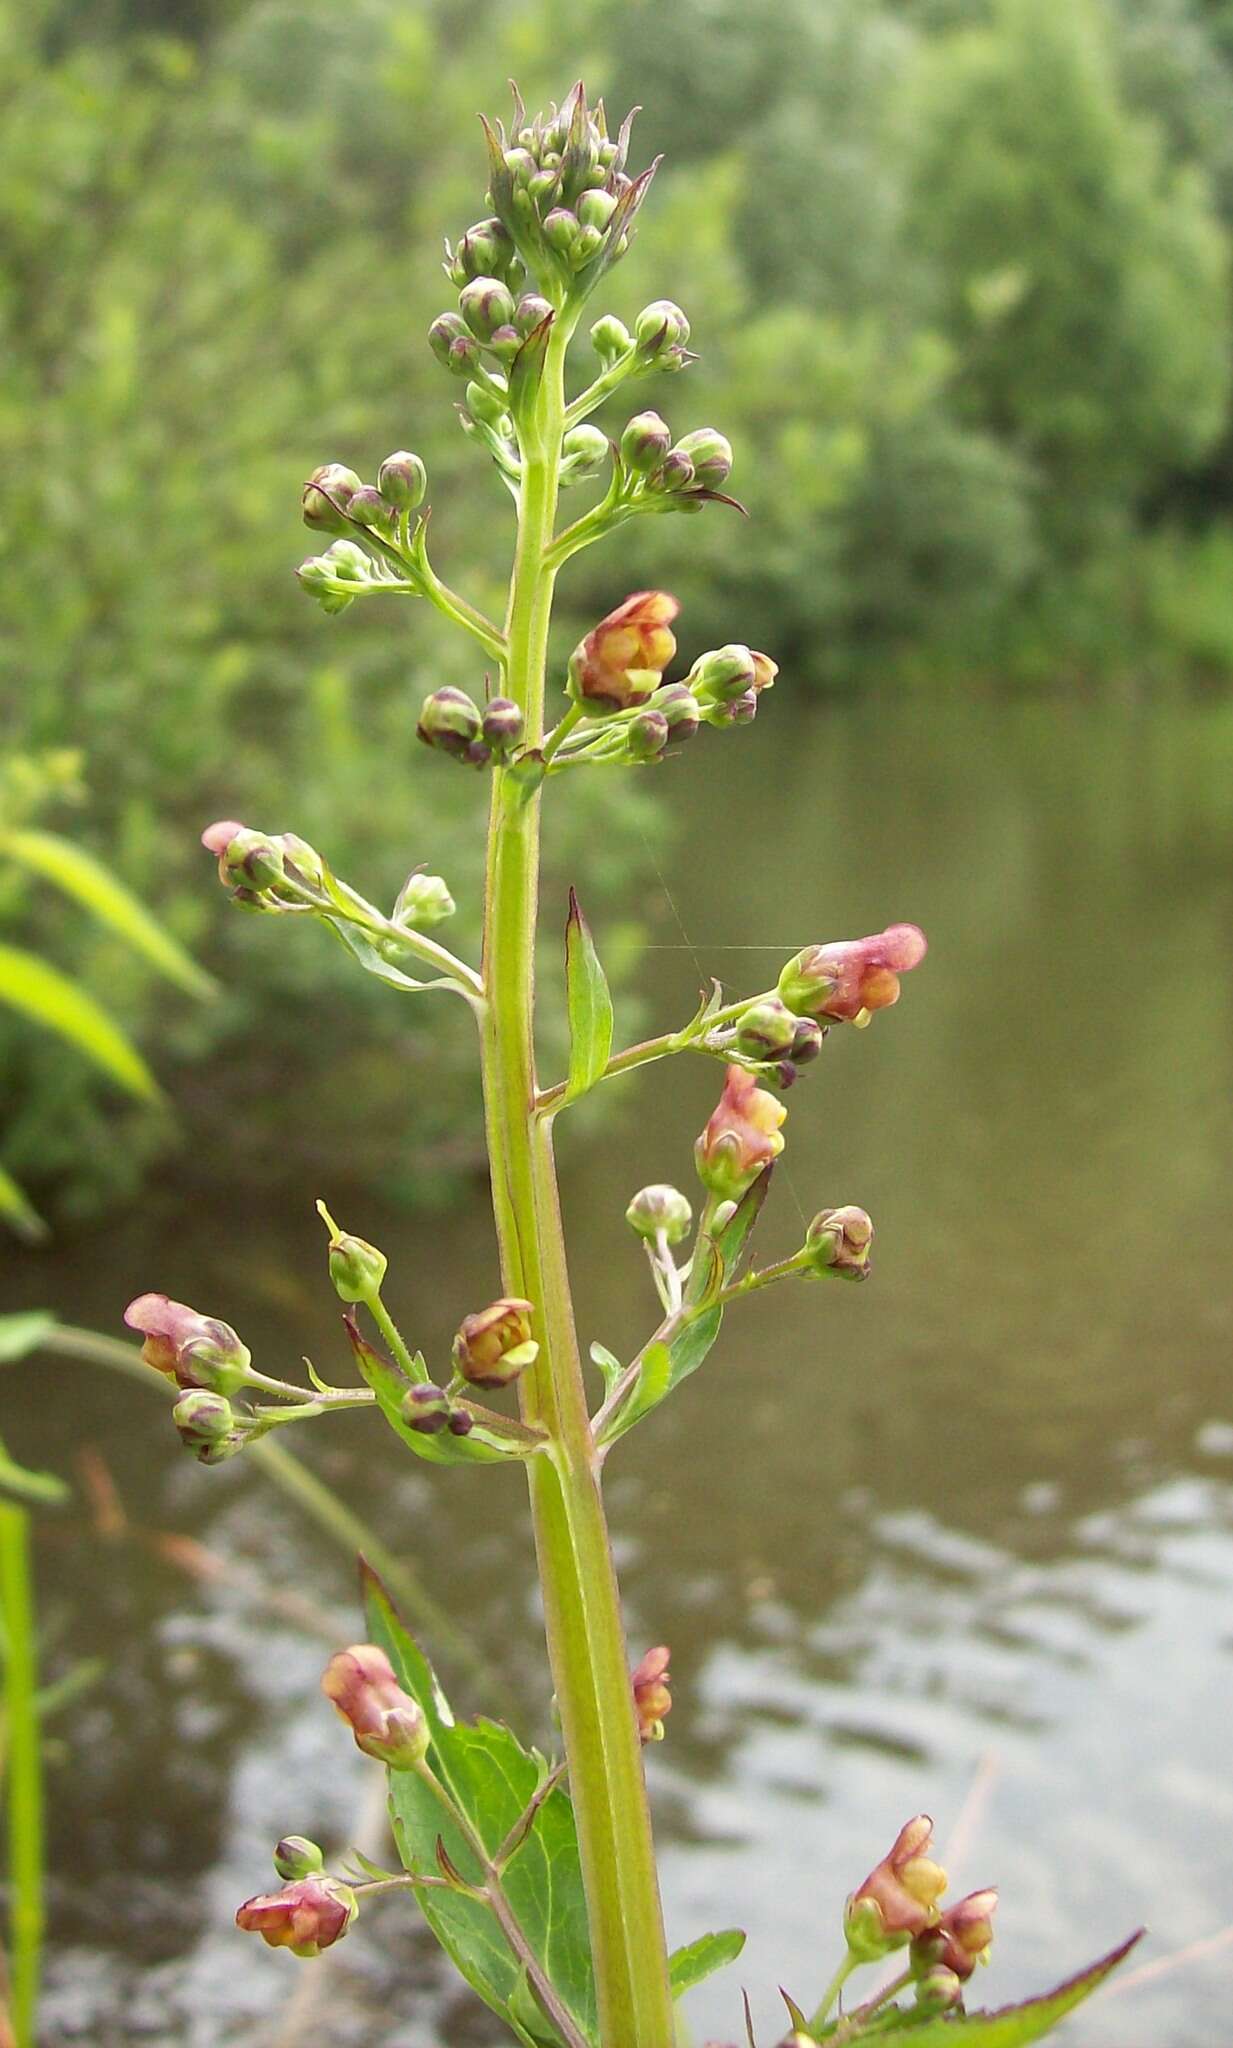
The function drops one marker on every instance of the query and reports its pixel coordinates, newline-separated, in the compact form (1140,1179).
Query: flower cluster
(208,1362)
(897,1904)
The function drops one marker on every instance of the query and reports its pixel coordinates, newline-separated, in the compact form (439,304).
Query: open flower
(192,1349)
(899,1897)
(652,1699)
(963,1935)
(850,978)
(386,1722)
(741,1137)
(622,659)
(307,1916)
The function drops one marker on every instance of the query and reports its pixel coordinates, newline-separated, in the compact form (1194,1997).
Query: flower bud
(246,859)
(660,1208)
(611,339)
(490,407)
(584,452)
(660,327)
(675,472)
(386,1722)
(645,442)
(962,1936)
(326,497)
(596,208)
(939,1990)
(422,902)
(741,1137)
(722,675)
(426,1408)
(356,1268)
(652,1700)
(621,660)
(449,719)
(680,707)
(840,1241)
(295,1856)
(850,978)
(710,454)
(369,508)
(766,1030)
(646,736)
(899,1897)
(207,1425)
(486,304)
(461,1423)
(453,344)
(305,1917)
(561,230)
(530,312)
(504,725)
(486,250)
(493,1346)
(806,1041)
(740,710)
(403,480)
(191,1349)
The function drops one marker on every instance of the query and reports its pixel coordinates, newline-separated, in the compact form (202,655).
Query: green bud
(596,208)
(584,451)
(486,304)
(426,1409)
(488,406)
(295,1856)
(521,165)
(530,311)
(646,735)
(806,1041)
(545,186)
(252,860)
(710,454)
(723,675)
(369,508)
(766,1030)
(356,1268)
(587,243)
(326,497)
(657,1208)
(660,327)
(453,344)
(561,230)
(503,727)
(208,1425)
(679,707)
(740,710)
(645,442)
(347,562)
(939,1990)
(449,719)
(423,901)
(611,339)
(486,250)
(403,480)
(675,473)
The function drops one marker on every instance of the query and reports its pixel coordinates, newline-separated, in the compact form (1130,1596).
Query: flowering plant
(539,1878)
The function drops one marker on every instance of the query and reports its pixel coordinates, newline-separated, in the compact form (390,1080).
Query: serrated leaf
(1011,2026)
(492,1780)
(45,995)
(588,1003)
(18,1211)
(22,1333)
(699,1959)
(85,879)
(610,1367)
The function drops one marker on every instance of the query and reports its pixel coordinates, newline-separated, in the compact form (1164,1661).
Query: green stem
(25,1772)
(584,405)
(586,1640)
(850,1962)
(551,1099)
(410,1363)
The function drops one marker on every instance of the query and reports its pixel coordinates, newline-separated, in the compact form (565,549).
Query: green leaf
(589,1005)
(376,963)
(691,1346)
(1011,2026)
(732,1239)
(654,1381)
(18,1211)
(389,1385)
(49,998)
(688,1966)
(492,1779)
(84,878)
(610,1367)
(22,1333)
(43,1488)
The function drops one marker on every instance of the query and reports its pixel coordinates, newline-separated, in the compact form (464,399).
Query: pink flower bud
(899,1897)
(386,1722)
(622,659)
(652,1699)
(192,1349)
(741,1137)
(495,1344)
(307,1916)
(850,978)
(962,1936)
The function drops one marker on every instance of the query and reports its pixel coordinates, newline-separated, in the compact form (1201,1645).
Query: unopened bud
(740,710)
(205,1422)
(660,1208)
(386,1722)
(652,1700)
(840,1241)
(939,1990)
(403,480)
(661,326)
(369,508)
(645,442)
(326,497)
(295,1856)
(356,1268)
(504,725)
(305,1917)
(422,902)
(426,1409)
(530,312)
(680,707)
(561,230)
(485,304)
(596,208)
(710,454)
(807,1041)
(491,407)
(646,735)
(675,472)
(486,250)
(493,1346)
(449,719)
(611,339)
(453,344)
(584,452)
(723,675)
(766,1030)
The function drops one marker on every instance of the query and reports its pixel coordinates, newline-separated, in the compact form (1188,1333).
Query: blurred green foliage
(958,270)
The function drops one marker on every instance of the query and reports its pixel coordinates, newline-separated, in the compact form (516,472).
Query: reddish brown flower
(495,1344)
(899,1897)
(622,659)
(741,1137)
(652,1699)
(305,1917)
(850,978)
(963,1934)
(192,1349)
(386,1722)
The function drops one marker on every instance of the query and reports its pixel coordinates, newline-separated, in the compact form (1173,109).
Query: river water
(960,1540)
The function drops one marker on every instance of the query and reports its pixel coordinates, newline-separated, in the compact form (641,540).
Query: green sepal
(589,1005)
(700,1959)
(389,1385)
(1011,2026)
(492,1780)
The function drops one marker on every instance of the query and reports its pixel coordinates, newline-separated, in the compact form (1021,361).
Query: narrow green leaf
(43,1488)
(733,1238)
(49,998)
(22,1333)
(492,1779)
(688,1966)
(84,878)
(610,1367)
(18,1211)
(1011,2026)
(653,1382)
(691,1347)
(589,1005)
(376,963)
